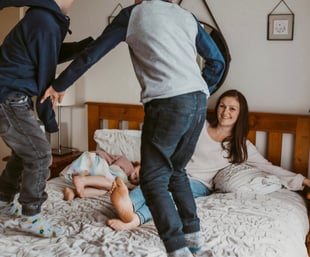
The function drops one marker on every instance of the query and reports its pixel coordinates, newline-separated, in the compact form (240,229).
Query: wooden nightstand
(60,162)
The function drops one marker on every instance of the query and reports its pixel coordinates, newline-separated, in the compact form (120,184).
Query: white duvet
(233,224)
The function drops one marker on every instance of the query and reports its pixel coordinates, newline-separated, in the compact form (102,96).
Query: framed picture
(115,12)
(280,26)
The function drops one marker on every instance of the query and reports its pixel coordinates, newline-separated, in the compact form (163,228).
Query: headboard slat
(252,136)
(113,124)
(274,148)
(93,124)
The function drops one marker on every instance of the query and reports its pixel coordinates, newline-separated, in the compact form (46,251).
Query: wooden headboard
(274,124)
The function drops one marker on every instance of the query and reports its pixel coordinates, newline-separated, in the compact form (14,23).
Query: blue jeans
(170,132)
(28,168)
(198,189)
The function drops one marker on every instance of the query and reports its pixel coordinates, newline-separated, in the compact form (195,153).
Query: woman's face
(228,111)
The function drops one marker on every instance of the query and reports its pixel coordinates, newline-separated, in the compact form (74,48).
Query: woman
(221,143)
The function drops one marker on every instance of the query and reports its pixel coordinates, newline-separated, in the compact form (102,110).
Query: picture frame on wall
(280,26)
(115,12)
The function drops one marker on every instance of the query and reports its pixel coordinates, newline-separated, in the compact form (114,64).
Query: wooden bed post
(301,153)
(93,124)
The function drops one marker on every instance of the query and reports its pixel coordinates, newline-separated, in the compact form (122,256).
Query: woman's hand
(306,182)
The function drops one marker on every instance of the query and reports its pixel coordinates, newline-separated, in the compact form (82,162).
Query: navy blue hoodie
(30,52)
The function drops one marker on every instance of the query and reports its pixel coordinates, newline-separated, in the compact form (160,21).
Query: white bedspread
(235,225)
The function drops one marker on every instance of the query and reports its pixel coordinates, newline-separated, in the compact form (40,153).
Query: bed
(233,224)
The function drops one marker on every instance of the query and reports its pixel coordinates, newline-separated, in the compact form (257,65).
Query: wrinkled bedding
(233,224)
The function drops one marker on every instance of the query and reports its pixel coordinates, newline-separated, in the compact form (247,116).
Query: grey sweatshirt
(165,57)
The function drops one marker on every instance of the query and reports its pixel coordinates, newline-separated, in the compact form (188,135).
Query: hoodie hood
(51,5)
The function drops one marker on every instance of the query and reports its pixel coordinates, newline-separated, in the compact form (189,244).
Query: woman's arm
(292,181)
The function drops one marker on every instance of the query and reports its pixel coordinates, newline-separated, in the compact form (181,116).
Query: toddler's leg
(69,194)
(97,182)
(121,201)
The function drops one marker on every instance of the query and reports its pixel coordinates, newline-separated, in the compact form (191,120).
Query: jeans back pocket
(17,100)
(4,121)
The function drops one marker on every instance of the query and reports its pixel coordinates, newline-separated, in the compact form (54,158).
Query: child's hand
(130,186)
(56,97)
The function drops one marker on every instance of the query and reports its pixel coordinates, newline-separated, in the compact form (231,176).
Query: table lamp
(69,99)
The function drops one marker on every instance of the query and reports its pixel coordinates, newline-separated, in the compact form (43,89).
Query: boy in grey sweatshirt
(163,40)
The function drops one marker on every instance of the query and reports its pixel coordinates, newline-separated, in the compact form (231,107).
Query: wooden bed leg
(308,243)
(307,200)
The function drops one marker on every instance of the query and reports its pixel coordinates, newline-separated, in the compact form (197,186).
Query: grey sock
(182,252)
(194,241)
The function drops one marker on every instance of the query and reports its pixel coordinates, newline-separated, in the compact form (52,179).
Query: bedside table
(60,162)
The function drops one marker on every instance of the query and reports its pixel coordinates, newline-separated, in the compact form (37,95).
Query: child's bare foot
(68,194)
(121,201)
(118,225)
(78,182)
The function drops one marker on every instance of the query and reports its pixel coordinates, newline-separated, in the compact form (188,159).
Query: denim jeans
(198,189)
(27,170)
(170,132)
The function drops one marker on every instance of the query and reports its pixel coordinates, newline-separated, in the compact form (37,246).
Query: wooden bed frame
(274,124)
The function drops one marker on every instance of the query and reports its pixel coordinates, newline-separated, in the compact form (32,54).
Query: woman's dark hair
(235,144)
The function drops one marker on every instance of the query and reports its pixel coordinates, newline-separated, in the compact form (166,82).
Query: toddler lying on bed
(93,173)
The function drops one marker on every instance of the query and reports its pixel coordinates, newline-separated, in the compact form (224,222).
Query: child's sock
(9,208)
(194,241)
(38,226)
(183,252)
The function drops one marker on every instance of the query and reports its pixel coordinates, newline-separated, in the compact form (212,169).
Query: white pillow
(245,178)
(121,142)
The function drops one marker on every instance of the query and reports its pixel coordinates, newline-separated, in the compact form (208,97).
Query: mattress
(233,224)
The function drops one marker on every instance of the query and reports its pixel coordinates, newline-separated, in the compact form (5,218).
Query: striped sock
(182,252)
(194,241)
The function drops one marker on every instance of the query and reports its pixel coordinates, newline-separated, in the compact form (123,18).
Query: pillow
(245,178)
(121,142)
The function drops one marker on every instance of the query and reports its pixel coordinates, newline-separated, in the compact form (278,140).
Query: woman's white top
(209,158)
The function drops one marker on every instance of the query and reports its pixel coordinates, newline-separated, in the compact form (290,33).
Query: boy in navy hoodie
(28,58)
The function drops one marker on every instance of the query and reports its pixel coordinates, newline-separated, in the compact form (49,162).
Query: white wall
(112,79)
(8,18)
(273,75)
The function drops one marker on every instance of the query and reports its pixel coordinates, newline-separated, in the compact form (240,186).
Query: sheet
(233,224)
